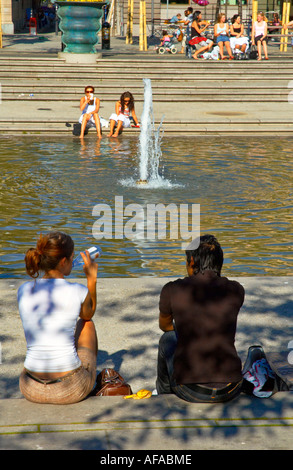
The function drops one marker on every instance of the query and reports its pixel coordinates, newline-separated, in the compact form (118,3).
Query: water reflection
(244,188)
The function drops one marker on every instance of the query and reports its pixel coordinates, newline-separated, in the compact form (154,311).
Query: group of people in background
(231,36)
(124,110)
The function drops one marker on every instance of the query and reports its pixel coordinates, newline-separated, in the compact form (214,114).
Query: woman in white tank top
(259,35)
(221,33)
(89,106)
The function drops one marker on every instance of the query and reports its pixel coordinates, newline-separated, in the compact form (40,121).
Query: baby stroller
(167,47)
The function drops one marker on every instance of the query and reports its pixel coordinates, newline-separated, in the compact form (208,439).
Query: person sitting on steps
(198,26)
(238,42)
(123,109)
(221,33)
(89,106)
(259,35)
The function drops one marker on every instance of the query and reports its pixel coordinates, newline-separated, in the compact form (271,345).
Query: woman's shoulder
(74,285)
(23,287)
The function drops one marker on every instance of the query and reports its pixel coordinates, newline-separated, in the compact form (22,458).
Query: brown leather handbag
(110,383)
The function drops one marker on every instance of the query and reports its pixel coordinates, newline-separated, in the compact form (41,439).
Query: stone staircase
(195,97)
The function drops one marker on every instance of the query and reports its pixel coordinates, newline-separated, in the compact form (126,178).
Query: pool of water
(243,186)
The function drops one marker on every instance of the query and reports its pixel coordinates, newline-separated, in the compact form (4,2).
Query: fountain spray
(149,140)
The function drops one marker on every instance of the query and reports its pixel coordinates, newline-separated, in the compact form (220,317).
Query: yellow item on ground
(140,395)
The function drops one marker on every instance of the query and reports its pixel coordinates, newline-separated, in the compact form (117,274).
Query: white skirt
(239,42)
(91,122)
(125,120)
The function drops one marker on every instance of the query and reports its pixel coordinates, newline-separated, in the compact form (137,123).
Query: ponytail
(32,262)
(50,249)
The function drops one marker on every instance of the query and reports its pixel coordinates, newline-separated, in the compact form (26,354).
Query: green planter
(80,23)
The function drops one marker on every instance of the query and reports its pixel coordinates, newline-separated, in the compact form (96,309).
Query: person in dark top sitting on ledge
(197,358)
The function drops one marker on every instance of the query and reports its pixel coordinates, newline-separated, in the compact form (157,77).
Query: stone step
(188,67)
(198,97)
(157,84)
(27,86)
(97,77)
(57,87)
(77,86)
(144,64)
(212,127)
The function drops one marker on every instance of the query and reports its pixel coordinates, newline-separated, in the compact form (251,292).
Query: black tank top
(194,33)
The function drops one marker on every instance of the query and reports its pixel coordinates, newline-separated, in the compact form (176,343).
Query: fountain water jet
(149,147)
(149,140)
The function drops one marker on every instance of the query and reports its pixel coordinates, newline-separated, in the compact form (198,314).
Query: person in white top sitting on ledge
(60,363)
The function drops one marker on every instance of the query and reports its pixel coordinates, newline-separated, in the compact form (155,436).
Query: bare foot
(116,134)
(109,135)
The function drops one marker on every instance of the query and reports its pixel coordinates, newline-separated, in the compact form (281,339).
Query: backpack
(266,374)
(77,128)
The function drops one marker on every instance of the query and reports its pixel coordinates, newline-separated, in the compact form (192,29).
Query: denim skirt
(222,38)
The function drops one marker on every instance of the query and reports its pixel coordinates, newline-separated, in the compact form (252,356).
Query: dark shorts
(258,38)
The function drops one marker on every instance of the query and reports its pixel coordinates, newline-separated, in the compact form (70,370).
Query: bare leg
(183,45)
(259,50)
(83,125)
(221,47)
(265,49)
(228,47)
(118,128)
(112,125)
(98,125)
(202,49)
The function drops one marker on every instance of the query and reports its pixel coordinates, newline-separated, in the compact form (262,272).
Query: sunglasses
(89,91)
